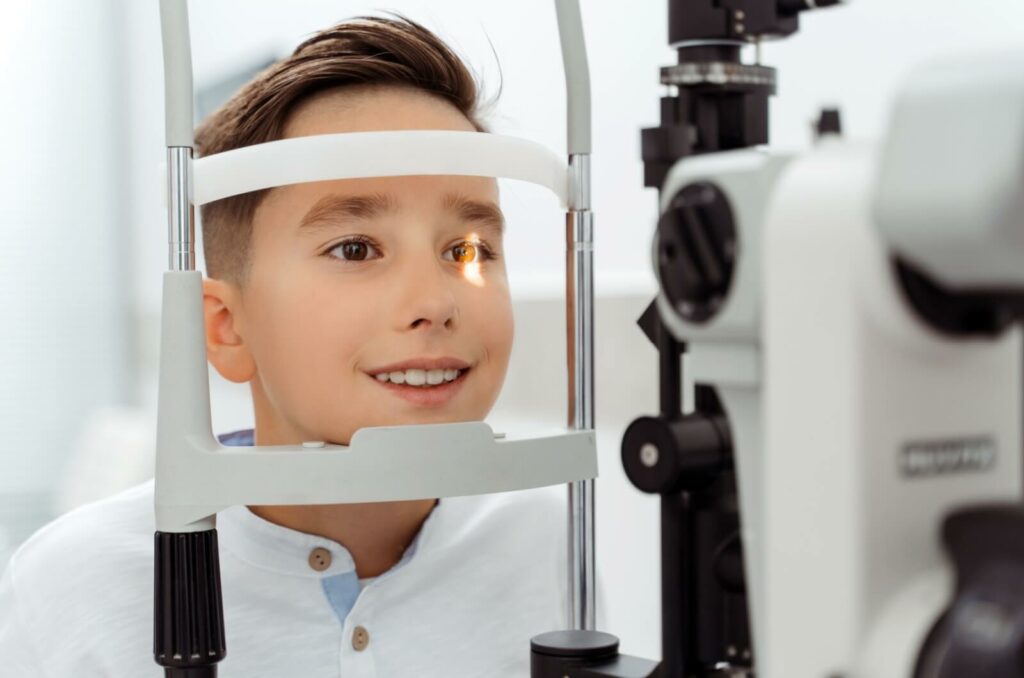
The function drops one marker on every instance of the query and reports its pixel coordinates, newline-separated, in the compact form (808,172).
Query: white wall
(64,268)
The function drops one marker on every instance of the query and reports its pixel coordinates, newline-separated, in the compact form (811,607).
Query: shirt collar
(274,547)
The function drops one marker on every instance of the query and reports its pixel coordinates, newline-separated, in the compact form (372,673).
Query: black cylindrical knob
(663,455)
(553,653)
(188,610)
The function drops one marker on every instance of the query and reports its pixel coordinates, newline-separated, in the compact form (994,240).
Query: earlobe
(226,348)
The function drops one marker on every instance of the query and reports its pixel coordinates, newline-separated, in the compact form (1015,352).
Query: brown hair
(361,51)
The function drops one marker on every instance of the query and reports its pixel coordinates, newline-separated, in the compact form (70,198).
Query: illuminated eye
(465,253)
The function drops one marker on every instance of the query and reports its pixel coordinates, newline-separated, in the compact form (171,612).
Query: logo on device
(941,457)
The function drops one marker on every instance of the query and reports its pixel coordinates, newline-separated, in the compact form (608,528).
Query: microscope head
(948,199)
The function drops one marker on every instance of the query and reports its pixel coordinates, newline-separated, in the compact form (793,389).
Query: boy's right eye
(355,249)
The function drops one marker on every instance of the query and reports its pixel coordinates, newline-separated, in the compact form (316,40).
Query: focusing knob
(662,456)
(696,250)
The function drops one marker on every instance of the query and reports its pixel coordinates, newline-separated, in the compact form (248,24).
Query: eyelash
(486,252)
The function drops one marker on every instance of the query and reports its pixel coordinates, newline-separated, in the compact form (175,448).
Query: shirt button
(360,638)
(319,559)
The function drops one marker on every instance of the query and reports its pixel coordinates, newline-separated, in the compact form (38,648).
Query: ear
(225,347)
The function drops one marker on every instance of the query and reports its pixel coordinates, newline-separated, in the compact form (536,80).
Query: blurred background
(84,235)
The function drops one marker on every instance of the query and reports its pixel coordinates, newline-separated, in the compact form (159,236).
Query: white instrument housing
(857,428)
(948,196)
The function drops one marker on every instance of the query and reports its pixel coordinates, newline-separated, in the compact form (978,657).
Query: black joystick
(982,633)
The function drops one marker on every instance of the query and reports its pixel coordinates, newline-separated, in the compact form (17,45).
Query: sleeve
(18,657)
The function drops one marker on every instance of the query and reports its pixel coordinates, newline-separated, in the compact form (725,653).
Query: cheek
(497,332)
(494,321)
(307,331)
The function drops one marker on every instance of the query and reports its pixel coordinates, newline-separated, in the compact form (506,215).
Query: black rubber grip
(188,610)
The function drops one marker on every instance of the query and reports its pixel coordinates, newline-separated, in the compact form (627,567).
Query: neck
(376,535)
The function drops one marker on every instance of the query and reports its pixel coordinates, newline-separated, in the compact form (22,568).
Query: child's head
(316,288)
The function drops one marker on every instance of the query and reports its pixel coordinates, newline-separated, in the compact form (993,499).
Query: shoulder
(94,549)
(83,582)
(94,525)
(521,506)
(543,505)
(525,517)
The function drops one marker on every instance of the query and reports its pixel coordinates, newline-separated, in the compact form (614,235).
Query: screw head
(649,455)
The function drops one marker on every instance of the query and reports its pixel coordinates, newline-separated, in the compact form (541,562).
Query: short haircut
(363,51)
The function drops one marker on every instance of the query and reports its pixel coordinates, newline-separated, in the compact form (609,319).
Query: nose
(430,301)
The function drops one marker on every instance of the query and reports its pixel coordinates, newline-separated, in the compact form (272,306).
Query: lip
(445,363)
(434,396)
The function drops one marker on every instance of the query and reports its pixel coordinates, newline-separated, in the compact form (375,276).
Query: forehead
(369,109)
(305,207)
(373,108)
(463,201)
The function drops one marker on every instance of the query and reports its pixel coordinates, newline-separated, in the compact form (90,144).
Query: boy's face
(353,279)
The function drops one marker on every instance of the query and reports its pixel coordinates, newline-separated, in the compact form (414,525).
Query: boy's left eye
(468,252)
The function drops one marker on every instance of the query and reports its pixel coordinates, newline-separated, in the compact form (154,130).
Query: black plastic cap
(829,122)
(575,644)
(188,610)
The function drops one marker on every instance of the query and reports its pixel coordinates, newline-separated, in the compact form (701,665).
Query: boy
(344,304)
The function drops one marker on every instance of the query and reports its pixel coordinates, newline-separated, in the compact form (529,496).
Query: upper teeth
(419,377)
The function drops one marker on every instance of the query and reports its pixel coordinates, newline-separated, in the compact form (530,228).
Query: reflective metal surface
(580,320)
(180,222)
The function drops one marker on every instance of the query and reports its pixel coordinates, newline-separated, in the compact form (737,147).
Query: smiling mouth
(421,387)
(419,378)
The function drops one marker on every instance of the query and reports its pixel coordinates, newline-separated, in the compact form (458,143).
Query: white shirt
(484,575)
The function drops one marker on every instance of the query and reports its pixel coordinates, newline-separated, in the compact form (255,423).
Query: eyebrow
(330,208)
(487,214)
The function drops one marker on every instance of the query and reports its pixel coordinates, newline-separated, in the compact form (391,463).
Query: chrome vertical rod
(180,213)
(579,236)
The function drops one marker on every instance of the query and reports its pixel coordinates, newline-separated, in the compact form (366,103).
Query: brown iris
(354,250)
(464,253)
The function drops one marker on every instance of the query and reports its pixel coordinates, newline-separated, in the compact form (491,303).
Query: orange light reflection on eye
(472,271)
